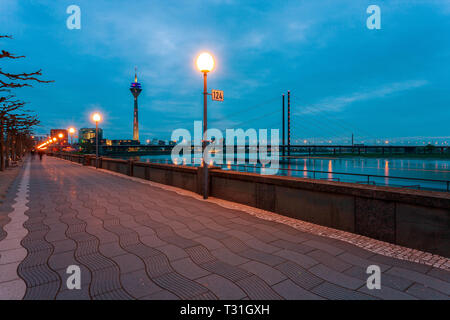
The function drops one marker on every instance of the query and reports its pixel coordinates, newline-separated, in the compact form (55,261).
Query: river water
(382,171)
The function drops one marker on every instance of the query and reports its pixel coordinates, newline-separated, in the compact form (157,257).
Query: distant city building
(161,143)
(122,142)
(62,140)
(87,135)
(154,142)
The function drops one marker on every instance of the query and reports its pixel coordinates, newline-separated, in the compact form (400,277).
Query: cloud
(339,103)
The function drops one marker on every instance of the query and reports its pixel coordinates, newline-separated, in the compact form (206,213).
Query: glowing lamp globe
(54,139)
(205,62)
(60,135)
(96,117)
(71,130)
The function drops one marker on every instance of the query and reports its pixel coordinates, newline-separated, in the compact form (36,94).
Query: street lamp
(71,132)
(96,117)
(205,63)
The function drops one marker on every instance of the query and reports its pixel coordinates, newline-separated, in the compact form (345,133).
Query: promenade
(137,241)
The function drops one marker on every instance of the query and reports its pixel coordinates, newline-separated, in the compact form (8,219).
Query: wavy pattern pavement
(135,241)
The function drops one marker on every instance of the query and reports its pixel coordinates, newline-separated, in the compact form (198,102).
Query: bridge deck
(136,241)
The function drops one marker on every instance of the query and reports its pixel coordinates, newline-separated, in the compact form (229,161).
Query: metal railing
(370,179)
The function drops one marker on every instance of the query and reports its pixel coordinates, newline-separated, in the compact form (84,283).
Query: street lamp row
(205,64)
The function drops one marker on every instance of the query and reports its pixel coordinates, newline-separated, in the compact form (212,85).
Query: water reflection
(437,169)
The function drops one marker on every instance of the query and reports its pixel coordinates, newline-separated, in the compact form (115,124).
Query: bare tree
(8,104)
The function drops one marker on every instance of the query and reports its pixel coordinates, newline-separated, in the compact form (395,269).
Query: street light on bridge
(205,63)
(96,117)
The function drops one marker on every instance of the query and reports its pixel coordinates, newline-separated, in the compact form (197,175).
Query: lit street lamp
(71,132)
(96,117)
(205,63)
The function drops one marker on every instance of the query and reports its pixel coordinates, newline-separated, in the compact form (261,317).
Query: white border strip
(12,287)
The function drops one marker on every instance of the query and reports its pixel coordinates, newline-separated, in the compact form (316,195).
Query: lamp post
(96,117)
(205,63)
(71,132)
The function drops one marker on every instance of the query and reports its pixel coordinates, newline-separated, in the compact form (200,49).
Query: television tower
(135,89)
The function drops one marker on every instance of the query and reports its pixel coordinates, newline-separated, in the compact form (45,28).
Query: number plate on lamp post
(217,95)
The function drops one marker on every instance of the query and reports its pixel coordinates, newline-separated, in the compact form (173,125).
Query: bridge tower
(135,89)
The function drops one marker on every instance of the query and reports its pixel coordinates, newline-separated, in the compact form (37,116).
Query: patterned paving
(136,241)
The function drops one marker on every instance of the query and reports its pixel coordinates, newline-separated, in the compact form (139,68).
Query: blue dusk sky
(391,83)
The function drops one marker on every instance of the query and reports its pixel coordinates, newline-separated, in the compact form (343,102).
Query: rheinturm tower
(135,89)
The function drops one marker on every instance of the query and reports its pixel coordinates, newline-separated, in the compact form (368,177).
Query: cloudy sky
(343,77)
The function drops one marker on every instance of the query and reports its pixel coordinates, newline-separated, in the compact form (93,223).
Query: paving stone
(111,249)
(227,271)
(13,255)
(386,279)
(331,249)
(257,289)
(296,247)
(137,284)
(334,292)
(12,290)
(234,244)
(290,291)
(400,263)
(348,247)
(143,231)
(426,280)
(187,268)
(161,295)
(118,294)
(181,286)
(329,260)
(224,289)
(440,274)
(173,252)
(425,293)
(74,294)
(44,291)
(269,259)
(243,236)
(62,260)
(335,277)
(63,246)
(262,246)
(153,241)
(226,255)
(268,274)
(300,276)
(157,266)
(364,263)
(188,234)
(199,254)
(210,243)
(56,234)
(128,263)
(300,259)
(387,293)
